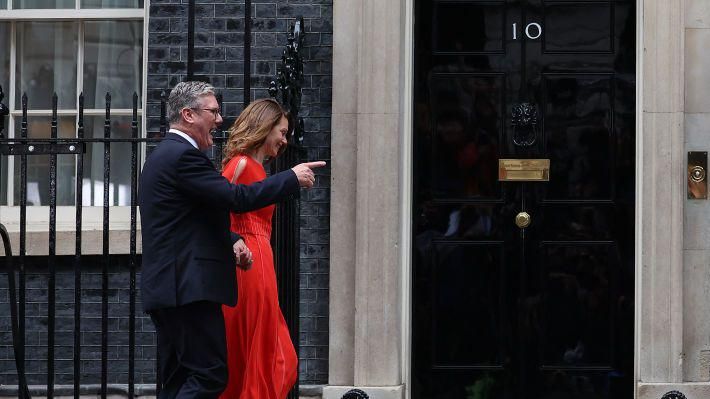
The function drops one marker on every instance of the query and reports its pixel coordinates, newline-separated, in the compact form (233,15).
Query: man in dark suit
(189,254)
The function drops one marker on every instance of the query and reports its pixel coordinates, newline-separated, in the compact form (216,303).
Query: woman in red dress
(261,358)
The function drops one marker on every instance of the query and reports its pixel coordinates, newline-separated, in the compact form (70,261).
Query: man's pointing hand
(304,172)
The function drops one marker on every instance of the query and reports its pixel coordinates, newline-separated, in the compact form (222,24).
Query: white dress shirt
(185,136)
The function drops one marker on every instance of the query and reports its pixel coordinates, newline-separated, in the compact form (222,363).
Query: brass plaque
(523,170)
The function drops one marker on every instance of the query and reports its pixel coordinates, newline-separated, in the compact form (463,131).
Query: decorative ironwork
(289,80)
(163,113)
(247,53)
(286,89)
(524,121)
(673,395)
(190,40)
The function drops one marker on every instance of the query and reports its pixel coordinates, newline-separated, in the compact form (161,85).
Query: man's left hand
(242,254)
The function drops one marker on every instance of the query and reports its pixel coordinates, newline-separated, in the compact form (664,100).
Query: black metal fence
(24,147)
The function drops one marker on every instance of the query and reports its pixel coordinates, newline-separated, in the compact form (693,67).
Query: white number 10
(528,33)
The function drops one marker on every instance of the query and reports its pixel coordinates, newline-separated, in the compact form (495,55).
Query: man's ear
(187,115)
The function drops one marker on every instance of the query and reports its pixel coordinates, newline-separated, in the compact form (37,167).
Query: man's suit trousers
(191,350)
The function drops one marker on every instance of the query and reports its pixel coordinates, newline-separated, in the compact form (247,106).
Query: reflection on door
(541,309)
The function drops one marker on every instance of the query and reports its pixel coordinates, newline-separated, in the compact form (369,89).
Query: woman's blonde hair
(252,127)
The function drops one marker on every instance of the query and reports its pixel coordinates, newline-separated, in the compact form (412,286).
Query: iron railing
(24,147)
(286,222)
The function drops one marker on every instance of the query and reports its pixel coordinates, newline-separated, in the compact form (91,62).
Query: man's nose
(219,120)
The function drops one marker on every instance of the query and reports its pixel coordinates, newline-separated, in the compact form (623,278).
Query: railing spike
(55,100)
(4,111)
(163,113)
(80,122)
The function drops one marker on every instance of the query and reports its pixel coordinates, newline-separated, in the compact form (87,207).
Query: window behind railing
(69,47)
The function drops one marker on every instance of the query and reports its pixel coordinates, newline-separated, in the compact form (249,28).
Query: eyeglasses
(214,111)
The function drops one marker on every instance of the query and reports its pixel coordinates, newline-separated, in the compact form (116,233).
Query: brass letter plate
(523,170)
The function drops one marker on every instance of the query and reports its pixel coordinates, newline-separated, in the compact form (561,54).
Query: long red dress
(260,355)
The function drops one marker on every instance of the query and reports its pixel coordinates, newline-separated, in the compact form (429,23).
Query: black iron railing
(285,242)
(24,147)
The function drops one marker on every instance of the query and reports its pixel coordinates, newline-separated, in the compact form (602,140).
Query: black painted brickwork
(219,56)
(36,327)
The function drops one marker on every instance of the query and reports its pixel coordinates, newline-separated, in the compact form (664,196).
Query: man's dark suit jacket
(184,205)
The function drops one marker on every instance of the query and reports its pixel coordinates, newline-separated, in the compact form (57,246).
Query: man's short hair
(186,95)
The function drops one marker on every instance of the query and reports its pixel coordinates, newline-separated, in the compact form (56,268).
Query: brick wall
(91,302)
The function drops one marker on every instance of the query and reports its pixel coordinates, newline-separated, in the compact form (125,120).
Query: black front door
(514,310)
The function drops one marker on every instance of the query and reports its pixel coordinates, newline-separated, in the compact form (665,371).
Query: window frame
(9,214)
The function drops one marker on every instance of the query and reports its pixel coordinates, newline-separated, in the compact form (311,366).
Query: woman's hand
(242,254)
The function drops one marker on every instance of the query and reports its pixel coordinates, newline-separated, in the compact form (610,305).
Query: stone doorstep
(691,390)
(374,392)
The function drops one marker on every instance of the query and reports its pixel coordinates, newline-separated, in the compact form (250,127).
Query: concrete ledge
(695,390)
(310,391)
(390,392)
(92,229)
